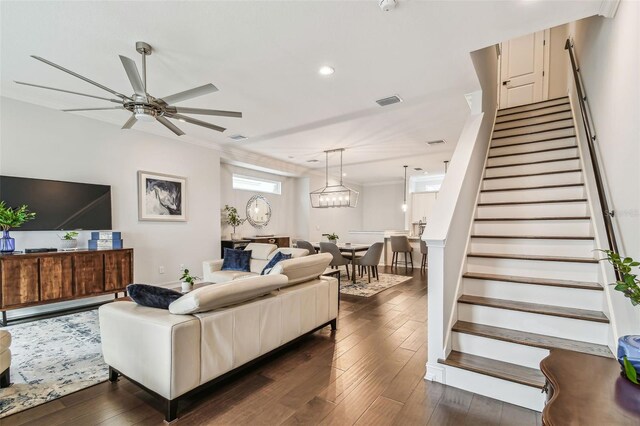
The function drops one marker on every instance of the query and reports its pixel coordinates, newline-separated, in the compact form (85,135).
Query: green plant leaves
(629,284)
(14,217)
(630,370)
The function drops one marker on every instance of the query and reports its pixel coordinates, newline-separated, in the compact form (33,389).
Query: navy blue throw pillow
(152,296)
(236,260)
(279,257)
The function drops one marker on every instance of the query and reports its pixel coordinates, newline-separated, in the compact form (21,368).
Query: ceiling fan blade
(118,101)
(198,122)
(169,125)
(134,76)
(186,110)
(92,109)
(120,95)
(130,122)
(189,94)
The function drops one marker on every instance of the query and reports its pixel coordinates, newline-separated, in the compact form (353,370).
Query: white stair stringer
(531,269)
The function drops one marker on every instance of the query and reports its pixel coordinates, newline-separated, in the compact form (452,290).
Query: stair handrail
(587,120)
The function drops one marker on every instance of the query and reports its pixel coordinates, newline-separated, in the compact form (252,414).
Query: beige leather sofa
(5,358)
(221,329)
(261,254)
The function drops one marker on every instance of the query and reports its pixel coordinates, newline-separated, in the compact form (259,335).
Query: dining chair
(400,244)
(370,260)
(338,259)
(424,251)
(306,245)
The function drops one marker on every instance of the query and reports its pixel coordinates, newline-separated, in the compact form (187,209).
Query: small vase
(333,241)
(629,347)
(7,244)
(186,287)
(69,244)
(235,237)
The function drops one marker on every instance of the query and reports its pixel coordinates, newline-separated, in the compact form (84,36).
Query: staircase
(530,282)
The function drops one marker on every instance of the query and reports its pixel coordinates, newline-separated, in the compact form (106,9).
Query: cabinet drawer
(19,279)
(88,273)
(117,270)
(55,278)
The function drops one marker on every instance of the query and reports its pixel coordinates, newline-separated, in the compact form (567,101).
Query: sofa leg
(5,378)
(171,410)
(334,324)
(113,374)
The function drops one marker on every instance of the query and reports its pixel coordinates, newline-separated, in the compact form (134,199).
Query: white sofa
(232,325)
(5,358)
(261,254)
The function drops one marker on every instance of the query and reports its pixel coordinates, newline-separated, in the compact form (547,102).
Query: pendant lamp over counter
(404,204)
(332,196)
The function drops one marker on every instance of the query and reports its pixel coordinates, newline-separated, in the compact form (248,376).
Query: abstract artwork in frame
(162,197)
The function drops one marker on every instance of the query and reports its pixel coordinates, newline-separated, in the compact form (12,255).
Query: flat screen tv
(59,205)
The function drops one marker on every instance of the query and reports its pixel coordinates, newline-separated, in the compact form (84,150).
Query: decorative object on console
(333,195)
(333,237)
(152,296)
(279,257)
(231,217)
(69,241)
(106,240)
(162,197)
(187,280)
(258,211)
(143,106)
(12,218)
(629,284)
(237,260)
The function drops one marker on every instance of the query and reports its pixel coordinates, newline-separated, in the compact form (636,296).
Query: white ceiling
(264,57)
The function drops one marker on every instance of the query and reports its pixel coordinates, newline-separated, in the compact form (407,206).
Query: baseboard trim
(435,373)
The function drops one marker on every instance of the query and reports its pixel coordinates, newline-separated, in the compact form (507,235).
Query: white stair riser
(513,353)
(537,146)
(533,120)
(521,169)
(529,114)
(551,134)
(538,107)
(534,268)
(562,193)
(566,248)
(533,128)
(503,390)
(533,157)
(566,328)
(534,227)
(534,210)
(529,181)
(546,295)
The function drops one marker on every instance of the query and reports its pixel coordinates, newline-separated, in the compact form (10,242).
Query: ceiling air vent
(237,137)
(438,142)
(389,101)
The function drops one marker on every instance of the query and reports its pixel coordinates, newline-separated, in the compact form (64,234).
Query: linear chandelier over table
(332,196)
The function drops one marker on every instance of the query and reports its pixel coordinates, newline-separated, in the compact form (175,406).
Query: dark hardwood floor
(369,372)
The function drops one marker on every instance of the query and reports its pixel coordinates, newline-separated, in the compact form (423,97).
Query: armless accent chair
(400,244)
(370,260)
(424,251)
(338,259)
(5,358)
(302,244)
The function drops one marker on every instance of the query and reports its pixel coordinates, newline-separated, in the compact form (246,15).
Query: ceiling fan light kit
(144,107)
(332,196)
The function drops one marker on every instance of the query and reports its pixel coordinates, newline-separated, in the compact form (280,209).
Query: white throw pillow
(304,268)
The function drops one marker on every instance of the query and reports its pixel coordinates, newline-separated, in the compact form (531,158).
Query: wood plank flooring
(369,372)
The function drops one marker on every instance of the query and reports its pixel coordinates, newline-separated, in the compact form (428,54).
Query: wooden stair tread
(558,172)
(555,160)
(531,339)
(512,203)
(535,152)
(533,116)
(494,138)
(536,141)
(533,124)
(535,103)
(521,188)
(534,257)
(498,369)
(534,237)
(536,308)
(534,281)
(498,219)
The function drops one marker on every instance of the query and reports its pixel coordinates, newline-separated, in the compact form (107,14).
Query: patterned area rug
(51,358)
(365,289)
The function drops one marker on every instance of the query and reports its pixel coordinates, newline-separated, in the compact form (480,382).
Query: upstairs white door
(522,70)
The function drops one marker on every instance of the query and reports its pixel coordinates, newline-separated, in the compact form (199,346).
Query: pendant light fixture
(333,195)
(404,204)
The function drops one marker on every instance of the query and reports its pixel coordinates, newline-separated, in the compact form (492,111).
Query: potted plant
(233,219)
(629,285)
(12,218)
(333,237)
(187,280)
(69,240)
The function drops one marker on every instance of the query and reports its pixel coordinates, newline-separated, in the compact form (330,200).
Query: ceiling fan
(143,106)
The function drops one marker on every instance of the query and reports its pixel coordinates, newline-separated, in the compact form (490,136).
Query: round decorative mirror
(258,211)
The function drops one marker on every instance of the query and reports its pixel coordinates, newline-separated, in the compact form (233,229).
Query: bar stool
(424,251)
(400,244)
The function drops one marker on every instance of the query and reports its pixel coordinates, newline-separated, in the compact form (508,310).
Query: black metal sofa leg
(5,378)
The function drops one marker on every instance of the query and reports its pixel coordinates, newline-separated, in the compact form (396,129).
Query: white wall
(39,142)
(284,215)
(382,207)
(558,62)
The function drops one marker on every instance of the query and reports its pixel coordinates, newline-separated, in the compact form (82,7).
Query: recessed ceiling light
(344,174)
(326,70)
(182,120)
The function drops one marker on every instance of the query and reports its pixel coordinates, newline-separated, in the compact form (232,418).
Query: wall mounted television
(59,205)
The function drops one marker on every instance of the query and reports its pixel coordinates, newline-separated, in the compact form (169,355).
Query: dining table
(351,249)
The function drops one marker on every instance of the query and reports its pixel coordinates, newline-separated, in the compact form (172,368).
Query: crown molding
(608,8)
